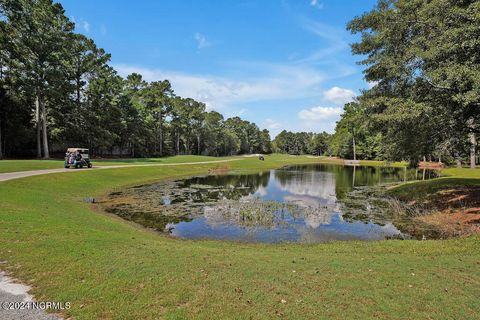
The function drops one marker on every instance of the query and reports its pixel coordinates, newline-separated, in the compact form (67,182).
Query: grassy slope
(109,268)
(431,189)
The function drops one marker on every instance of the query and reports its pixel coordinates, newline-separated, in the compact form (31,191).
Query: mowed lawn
(432,190)
(29,165)
(111,269)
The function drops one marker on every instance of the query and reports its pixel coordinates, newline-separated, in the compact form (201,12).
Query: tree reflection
(305,198)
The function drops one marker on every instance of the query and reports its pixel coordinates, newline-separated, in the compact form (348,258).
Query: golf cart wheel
(66,167)
(89,165)
(76,166)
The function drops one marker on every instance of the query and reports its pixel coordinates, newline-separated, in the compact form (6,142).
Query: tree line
(296,143)
(423,59)
(57,88)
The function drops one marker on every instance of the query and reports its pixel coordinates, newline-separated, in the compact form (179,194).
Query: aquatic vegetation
(297,203)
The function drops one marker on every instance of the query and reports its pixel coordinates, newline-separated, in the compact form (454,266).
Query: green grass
(28,165)
(430,190)
(383,163)
(109,268)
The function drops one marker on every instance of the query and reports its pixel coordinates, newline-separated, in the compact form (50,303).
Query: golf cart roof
(83,150)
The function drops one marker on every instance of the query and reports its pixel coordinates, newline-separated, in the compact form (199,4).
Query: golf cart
(78,158)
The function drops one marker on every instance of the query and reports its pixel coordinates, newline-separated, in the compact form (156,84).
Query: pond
(304,203)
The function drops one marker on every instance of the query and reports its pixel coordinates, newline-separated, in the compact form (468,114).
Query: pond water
(304,203)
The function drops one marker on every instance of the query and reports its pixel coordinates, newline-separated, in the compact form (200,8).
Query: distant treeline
(297,143)
(57,90)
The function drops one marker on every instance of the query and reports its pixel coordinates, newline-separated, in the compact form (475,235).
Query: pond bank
(450,205)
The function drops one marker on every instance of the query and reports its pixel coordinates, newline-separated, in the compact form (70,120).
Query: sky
(283,64)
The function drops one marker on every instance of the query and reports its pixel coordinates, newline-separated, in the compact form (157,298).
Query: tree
(134,130)
(266,142)
(37,31)
(156,97)
(424,58)
(320,144)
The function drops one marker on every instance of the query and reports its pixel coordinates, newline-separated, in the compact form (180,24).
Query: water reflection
(308,203)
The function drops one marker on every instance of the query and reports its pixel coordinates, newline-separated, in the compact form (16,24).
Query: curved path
(24,174)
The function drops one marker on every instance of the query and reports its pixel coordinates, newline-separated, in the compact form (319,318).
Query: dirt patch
(456,223)
(456,212)
(219,170)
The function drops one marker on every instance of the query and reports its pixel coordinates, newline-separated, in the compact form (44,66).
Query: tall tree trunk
(177,142)
(1,146)
(43,112)
(354,148)
(473,144)
(198,144)
(160,144)
(39,127)
(78,89)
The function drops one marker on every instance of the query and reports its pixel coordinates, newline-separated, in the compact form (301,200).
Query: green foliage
(297,143)
(423,57)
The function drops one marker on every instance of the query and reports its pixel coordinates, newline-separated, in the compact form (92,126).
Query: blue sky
(283,64)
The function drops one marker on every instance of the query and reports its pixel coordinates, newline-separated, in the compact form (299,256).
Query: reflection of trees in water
(319,190)
(251,213)
(214,188)
(346,177)
(159,204)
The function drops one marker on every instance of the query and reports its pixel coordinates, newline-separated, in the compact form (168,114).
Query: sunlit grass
(28,165)
(112,269)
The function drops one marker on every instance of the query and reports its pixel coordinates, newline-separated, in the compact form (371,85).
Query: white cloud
(272,82)
(272,124)
(339,95)
(319,113)
(202,41)
(235,113)
(316,4)
(319,119)
(85,25)
(82,24)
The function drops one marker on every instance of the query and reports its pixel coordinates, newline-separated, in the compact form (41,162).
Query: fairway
(292,159)
(108,268)
(29,165)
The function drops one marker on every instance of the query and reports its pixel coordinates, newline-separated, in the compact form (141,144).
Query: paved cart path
(24,174)
(15,302)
